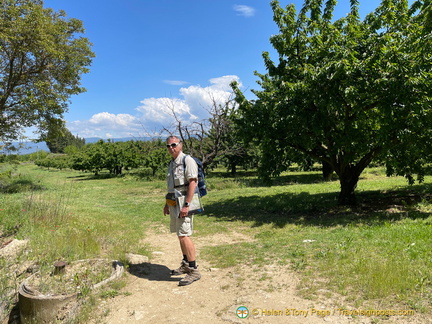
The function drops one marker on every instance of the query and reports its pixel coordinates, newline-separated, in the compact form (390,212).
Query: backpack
(201,176)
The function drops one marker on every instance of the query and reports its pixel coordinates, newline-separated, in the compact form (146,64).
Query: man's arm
(191,189)
(189,195)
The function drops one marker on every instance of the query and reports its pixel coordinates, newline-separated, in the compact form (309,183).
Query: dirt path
(152,296)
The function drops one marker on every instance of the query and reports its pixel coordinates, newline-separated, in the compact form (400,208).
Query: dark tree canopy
(345,92)
(42,58)
(59,140)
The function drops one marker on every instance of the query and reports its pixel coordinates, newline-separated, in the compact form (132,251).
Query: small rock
(136,258)
(13,248)
(308,241)
(139,315)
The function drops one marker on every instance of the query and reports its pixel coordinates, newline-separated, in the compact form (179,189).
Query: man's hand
(184,211)
(166,210)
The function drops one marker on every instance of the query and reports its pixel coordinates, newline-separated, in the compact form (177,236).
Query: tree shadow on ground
(19,185)
(307,178)
(102,176)
(374,207)
(251,180)
(152,272)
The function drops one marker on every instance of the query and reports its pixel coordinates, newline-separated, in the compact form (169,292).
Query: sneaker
(192,275)
(180,270)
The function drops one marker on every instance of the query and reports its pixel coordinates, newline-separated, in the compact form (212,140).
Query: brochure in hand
(195,205)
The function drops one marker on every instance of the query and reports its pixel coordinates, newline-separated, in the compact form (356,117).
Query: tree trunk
(327,171)
(233,169)
(118,169)
(348,182)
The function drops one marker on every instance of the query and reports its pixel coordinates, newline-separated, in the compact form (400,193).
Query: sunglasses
(172,145)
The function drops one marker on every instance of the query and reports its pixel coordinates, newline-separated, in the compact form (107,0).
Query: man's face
(174,147)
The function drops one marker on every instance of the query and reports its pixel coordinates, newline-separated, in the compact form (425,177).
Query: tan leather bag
(170,200)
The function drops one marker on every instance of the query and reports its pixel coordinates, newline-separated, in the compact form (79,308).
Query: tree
(90,158)
(41,61)
(213,138)
(57,143)
(346,92)
(118,156)
(154,156)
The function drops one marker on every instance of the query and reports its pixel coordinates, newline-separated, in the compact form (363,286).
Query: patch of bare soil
(153,296)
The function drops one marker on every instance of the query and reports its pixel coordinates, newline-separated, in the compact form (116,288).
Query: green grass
(379,250)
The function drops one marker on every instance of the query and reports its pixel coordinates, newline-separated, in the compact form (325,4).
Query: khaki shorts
(182,226)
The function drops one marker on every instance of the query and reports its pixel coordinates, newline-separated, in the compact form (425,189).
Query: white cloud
(223,83)
(161,109)
(104,124)
(175,82)
(196,101)
(200,99)
(115,121)
(243,10)
(192,104)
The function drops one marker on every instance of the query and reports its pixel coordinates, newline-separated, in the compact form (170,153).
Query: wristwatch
(186,204)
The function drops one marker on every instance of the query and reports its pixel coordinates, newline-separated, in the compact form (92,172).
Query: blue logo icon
(242,312)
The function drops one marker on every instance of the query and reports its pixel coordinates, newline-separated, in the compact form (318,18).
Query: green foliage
(148,159)
(59,140)
(155,157)
(118,156)
(236,149)
(345,92)
(89,158)
(42,58)
(55,161)
(33,156)
(9,158)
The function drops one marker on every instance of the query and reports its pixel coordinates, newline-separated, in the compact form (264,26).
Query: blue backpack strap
(184,162)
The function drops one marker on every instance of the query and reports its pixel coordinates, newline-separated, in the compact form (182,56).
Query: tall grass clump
(42,215)
(12,216)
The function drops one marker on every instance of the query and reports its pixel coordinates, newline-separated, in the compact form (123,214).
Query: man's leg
(175,225)
(184,228)
(192,272)
(188,248)
(188,251)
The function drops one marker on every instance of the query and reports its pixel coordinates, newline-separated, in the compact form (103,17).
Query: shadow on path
(152,272)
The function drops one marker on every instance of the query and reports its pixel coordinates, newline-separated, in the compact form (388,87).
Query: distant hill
(27,148)
(123,139)
(30,147)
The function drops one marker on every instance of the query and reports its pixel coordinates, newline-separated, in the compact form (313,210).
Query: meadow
(376,252)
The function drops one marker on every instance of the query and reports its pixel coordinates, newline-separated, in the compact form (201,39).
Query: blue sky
(153,56)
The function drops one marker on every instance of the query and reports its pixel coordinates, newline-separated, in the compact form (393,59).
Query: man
(182,182)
